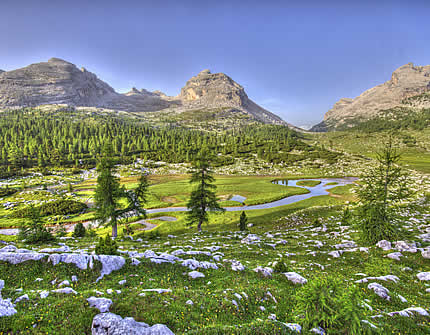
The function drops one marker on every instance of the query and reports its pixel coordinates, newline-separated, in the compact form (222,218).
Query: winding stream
(321,189)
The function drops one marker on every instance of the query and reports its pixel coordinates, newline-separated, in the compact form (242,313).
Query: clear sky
(295,58)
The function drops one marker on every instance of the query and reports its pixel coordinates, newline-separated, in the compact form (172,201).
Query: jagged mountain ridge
(407,81)
(60,82)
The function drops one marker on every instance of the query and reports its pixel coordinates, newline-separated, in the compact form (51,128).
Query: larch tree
(108,191)
(203,198)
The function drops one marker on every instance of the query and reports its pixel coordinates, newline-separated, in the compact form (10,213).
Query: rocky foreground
(202,283)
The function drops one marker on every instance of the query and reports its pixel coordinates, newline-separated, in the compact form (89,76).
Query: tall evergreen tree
(242,221)
(203,198)
(108,191)
(382,190)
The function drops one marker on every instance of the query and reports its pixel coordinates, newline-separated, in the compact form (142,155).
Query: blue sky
(295,58)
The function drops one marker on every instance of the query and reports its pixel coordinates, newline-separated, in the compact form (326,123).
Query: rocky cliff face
(407,81)
(60,82)
(219,90)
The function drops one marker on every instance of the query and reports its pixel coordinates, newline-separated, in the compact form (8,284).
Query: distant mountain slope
(406,82)
(60,82)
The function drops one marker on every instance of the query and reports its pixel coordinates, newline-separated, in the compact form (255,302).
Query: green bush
(324,303)
(6,191)
(79,230)
(243,220)
(34,232)
(280,267)
(58,207)
(106,246)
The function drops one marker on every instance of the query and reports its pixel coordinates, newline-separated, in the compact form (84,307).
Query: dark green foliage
(58,207)
(142,188)
(203,198)
(69,188)
(395,119)
(346,216)
(381,192)
(32,138)
(325,302)
(242,221)
(6,191)
(79,230)
(34,231)
(280,267)
(108,191)
(106,246)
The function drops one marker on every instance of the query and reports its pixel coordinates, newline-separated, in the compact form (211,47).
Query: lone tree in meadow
(108,190)
(203,198)
(381,192)
(242,221)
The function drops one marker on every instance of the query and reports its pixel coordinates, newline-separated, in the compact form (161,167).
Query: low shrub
(58,207)
(106,246)
(325,303)
(79,230)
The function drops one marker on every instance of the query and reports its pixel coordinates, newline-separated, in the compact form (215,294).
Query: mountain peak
(57,60)
(204,72)
(406,81)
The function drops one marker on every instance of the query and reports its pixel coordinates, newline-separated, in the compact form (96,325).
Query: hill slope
(59,82)
(406,82)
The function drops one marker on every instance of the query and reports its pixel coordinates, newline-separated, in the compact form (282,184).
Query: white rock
(266,271)
(74,279)
(196,274)
(295,278)
(6,308)
(384,245)
(122,282)
(251,239)
(272,317)
(112,324)
(102,304)
(23,297)
(395,255)
(334,254)
(423,276)
(44,294)
(426,253)
(64,283)
(403,246)
(237,266)
(379,290)
(66,290)
(410,312)
(189,302)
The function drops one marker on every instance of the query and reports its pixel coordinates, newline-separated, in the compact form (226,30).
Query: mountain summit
(407,81)
(60,82)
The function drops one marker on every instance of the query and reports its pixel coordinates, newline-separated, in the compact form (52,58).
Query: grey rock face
(295,278)
(112,324)
(219,90)
(405,82)
(59,82)
(102,304)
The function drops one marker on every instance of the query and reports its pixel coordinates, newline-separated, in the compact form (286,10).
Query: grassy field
(415,156)
(308,183)
(287,234)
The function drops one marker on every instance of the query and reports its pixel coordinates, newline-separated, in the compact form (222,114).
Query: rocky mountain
(59,82)
(406,82)
(219,90)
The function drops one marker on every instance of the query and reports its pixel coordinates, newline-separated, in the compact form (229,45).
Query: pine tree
(243,220)
(203,198)
(382,190)
(108,191)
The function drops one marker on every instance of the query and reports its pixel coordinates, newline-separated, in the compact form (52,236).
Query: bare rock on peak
(214,90)
(405,82)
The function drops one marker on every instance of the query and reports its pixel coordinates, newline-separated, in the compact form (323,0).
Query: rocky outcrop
(112,324)
(211,90)
(58,82)
(406,82)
